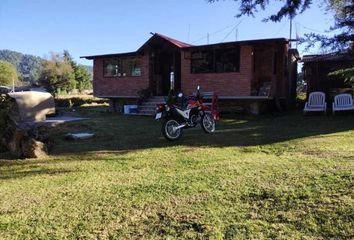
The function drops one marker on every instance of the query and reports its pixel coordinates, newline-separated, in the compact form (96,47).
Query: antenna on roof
(189,32)
(152,33)
(296,33)
(291,29)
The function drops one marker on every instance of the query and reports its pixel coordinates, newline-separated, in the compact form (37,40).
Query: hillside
(28,66)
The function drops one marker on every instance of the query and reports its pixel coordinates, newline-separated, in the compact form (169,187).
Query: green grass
(284,177)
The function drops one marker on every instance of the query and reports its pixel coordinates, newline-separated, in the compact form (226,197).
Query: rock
(79,136)
(33,149)
(24,142)
(15,142)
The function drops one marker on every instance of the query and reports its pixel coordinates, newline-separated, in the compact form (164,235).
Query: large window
(124,67)
(202,62)
(216,61)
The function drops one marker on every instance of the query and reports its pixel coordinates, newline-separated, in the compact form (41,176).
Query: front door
(161,65)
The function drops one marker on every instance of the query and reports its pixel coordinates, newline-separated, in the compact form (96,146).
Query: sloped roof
(254,41)
(127,54)
(180,44)
(157,36)
(174,41)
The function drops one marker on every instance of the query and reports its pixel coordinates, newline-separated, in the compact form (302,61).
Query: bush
(5,105)
(343,74)
(77,102)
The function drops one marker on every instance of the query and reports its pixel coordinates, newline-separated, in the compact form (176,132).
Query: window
(216,61)
(202,62)
(124,67)
(227,60)
(110,68)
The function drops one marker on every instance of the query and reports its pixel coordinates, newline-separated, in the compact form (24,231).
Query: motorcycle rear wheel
(169,131)
(208,123)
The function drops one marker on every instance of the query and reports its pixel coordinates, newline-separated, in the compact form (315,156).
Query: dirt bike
(191,113)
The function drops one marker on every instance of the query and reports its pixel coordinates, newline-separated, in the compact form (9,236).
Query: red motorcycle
(189,114)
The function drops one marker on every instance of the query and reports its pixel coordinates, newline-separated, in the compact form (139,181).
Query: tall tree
(290,8)
(81,75)
(341,33)
(83,78)
(340,36)
(67,57)
(8,73)
(57,74)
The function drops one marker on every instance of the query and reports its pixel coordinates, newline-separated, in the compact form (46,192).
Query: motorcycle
(191,113)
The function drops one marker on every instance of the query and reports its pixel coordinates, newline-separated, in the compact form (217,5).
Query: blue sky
(89,27)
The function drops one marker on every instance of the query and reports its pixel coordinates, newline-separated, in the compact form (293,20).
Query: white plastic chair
(316,103)
(343,102)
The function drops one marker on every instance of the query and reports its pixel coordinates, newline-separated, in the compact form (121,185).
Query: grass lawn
(284,177)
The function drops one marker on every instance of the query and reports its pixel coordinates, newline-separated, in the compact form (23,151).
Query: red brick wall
(264,67)
(119,86)
(223,84)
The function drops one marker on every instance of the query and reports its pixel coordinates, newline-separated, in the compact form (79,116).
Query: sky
(91,27)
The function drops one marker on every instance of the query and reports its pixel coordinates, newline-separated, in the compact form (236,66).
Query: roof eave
(127,54)
(284,40)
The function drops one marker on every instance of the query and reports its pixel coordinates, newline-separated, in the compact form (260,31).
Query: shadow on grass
(122,134)
(17,174)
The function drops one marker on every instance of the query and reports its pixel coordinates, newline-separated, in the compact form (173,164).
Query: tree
(8,73)
(290,8)
(342,32)
(67,57)
(28,66)
(81,75)
(83,78)
(57,74)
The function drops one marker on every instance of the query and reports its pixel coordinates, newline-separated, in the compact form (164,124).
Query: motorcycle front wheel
(208,123)
(169,130)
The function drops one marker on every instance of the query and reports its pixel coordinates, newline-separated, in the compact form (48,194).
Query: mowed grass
(279,177)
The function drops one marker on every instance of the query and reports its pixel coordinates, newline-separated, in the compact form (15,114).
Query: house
(254,71)
(317,67)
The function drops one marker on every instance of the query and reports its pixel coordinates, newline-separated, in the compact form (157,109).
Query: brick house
(243,71)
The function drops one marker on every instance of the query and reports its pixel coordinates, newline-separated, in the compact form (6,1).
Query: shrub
(345,74)
(5,105)
(77,102)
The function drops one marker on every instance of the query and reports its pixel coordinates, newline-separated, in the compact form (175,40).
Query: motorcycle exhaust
(181,126)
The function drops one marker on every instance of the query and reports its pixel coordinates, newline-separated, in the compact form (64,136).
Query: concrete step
(148,107)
